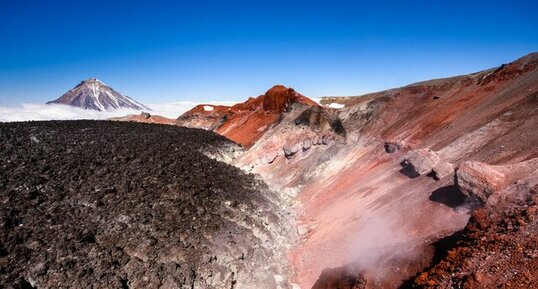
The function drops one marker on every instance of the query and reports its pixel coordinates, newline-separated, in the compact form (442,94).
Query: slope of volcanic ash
(101,204)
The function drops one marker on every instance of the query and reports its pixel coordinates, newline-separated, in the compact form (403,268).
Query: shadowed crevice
(448,195)
(408,170)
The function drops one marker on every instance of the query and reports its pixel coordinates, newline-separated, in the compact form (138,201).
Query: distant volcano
(94,94)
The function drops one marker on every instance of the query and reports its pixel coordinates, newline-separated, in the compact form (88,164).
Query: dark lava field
(101,204)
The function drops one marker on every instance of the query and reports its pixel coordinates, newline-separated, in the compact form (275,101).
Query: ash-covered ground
(100,204)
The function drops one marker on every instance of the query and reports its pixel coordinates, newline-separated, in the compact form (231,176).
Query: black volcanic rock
(102,204)
(94,94)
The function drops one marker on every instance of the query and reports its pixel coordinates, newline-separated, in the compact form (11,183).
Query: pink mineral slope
(362,207)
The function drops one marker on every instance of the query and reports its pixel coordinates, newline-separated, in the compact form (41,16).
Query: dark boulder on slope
(341,278)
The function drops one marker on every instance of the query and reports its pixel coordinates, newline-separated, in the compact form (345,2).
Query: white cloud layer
(31,111)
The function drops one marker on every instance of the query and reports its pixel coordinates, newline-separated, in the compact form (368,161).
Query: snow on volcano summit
(94,94)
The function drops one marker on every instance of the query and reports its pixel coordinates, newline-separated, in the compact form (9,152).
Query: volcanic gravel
(101,204)
(498,249)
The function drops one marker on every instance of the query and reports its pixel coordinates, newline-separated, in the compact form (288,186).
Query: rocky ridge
(145,117)
(245,122)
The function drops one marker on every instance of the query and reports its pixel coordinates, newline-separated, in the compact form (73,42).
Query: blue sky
(159,51)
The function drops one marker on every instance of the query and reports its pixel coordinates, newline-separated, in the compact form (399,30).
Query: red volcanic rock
(422,160)
(145,118)
(478,180)
(204,116)
(340,278)
(425,161)
(279,98)
(443,169)
(499,245)
(246,122)
(511,70)
(251,104)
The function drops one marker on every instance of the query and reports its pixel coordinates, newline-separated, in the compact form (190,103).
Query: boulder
(291,150)
(392,147)
(307,144)
(478,180)
(422,160)
(443,169)
(341,277)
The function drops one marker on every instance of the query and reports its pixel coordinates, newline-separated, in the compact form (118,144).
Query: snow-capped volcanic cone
(94,94)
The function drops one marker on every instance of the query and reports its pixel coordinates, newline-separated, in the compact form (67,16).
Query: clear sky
(157,51)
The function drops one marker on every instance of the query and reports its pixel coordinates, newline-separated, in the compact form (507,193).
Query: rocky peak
(279,98)
(246,122)
(92,79)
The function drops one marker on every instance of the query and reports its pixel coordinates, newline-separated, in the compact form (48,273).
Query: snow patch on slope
(336,105)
